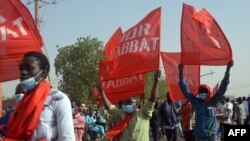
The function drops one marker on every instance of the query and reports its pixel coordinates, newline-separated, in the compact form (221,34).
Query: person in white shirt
(228,111)
(43,113)
(241,115)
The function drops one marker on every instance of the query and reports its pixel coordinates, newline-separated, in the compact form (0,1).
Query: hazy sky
(68,20)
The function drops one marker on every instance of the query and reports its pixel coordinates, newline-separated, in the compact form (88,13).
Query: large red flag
(110,46)
(191,75)
(138,49)
(202,40)
(18,35)
(121,88)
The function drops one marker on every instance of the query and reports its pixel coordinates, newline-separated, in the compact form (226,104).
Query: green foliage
(161,89)
(78,65)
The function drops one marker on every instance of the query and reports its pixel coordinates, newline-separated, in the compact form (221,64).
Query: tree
(77,65)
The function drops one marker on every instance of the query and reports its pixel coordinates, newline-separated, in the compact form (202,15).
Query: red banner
(111,45)
(191,74)
(121,88)
(18,35)
(202,40)
(138,49)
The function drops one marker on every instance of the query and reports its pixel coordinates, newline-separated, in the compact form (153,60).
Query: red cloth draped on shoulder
(119,127)
(24,120)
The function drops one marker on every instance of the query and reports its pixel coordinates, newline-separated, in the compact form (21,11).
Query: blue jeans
(98,129)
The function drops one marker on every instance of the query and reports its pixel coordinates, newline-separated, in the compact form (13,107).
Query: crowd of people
(50,115)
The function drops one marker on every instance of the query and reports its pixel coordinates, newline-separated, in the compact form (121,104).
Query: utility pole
(37,21)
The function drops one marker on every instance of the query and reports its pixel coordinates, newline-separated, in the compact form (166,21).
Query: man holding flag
(204,104)
(133,124)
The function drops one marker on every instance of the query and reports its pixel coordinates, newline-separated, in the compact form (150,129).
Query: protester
(83,109)
(170,121)
(133,123)
(155,122)
(204,105)
(241,115)
(227,113)
(43,111)
(78,120)
(188,120)
(235,105)
(100,120)
(19,93)
(246,106)
(92,126)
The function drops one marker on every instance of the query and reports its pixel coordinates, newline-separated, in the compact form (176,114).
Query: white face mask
(30,83)
(18,97)
(203,96)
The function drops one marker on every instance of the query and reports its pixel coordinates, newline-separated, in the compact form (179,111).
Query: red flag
(110,46)
(202,40)
(138,49)
(191,74)
(95,93)
(18,35)
(121,88)
(104,68)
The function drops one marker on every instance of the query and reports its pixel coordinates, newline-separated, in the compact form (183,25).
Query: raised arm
(107,103)
(153,91)
(184,88)
(223,86)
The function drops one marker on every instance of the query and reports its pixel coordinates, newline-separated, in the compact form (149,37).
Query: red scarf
(24,120)
(209,95)
(119,127)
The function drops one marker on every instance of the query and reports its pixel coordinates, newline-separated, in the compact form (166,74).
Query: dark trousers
(246,122)
(189,135)
(172,134)
(155,134)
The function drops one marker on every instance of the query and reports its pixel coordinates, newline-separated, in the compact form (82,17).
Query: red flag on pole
(120,88)
(123,88)
(18,35)
(191,74)
(111,45)
(202,40)
(138,49)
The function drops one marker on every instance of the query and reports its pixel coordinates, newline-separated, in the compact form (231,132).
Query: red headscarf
(209,94)
(24,120)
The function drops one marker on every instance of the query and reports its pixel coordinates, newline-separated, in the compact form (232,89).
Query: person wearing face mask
(43,111)
(204,105)
(19,93)
(132,124)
